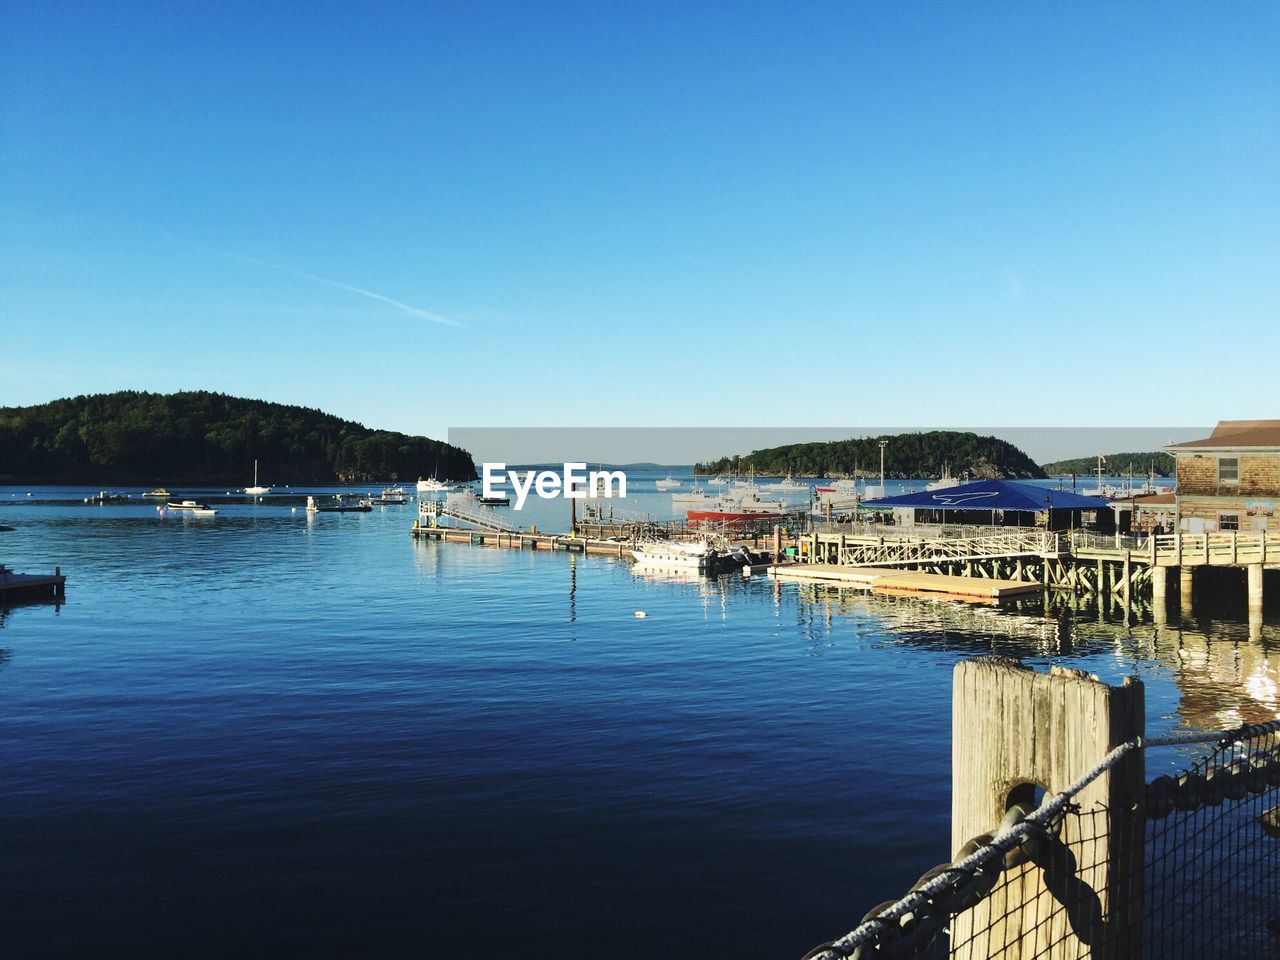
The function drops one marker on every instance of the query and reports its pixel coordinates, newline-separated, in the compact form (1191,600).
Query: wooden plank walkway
(525,541)
(907,581)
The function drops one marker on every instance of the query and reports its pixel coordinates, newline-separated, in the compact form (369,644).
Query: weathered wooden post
(1015,730)
(1255,576)
(1159,594)
(1186,587)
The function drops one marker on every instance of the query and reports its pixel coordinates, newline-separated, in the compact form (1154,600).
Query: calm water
(272,735)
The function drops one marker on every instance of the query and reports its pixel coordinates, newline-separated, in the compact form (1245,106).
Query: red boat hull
(733,519)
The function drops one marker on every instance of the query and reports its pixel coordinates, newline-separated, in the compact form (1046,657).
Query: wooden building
(1230,480)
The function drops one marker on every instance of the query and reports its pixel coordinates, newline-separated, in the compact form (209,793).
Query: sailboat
(255,490)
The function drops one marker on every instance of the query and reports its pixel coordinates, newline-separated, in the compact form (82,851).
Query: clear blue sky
(679,214)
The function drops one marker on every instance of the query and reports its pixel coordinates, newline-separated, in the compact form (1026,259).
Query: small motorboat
(683,556)
(667,483)
(392,495)
(159,493)
(186,505)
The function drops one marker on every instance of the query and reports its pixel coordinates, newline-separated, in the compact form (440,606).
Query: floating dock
(882,580)
(16,587)
(525,541)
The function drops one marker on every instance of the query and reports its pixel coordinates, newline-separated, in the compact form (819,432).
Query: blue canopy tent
(1003,496)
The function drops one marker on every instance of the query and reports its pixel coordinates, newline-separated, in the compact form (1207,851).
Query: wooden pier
(907,581)
(19,587)
(1076,561)
(517,540)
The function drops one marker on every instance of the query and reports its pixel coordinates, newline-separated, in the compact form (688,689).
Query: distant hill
(1117,464)
(133,437)
(906,455)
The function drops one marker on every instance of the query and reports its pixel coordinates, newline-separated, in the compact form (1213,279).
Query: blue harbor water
(266,734)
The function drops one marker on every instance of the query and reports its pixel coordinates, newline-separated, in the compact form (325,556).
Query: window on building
(1228,469)
(1228,521)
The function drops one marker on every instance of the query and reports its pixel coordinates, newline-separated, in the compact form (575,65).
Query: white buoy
(640,614)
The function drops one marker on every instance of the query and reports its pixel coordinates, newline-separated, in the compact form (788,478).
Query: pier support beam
(1160,594)
(1255,587)
(1186,586)
(1015,730)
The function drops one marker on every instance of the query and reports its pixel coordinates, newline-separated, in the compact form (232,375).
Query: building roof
(993,495)
(1237,433)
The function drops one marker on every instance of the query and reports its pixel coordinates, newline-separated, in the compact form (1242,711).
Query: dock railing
(1105,865)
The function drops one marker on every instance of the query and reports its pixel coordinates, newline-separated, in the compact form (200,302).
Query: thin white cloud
(411,310)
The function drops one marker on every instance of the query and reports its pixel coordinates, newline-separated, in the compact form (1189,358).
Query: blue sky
(424,216)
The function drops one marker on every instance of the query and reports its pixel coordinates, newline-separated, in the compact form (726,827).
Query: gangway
(477,514)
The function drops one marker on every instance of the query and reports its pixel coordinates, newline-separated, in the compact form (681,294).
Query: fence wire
(1189,870)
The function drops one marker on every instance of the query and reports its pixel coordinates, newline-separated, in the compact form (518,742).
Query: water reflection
(1226,670)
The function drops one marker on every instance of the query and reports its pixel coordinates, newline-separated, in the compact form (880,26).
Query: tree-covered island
(203,437)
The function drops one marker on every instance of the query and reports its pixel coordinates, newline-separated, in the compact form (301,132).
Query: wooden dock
(517,540)
(883,580)
(17,587)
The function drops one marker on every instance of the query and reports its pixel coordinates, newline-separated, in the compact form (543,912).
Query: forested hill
(132,437)
(1117,464)
(906,455)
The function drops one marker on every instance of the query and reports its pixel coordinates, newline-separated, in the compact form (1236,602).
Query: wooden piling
(1013,730)
(1255,579)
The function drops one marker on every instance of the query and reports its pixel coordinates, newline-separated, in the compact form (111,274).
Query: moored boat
(159,493)
(391,495)
(256,490)
(697,555)
(696,497)
(186,505)
(104,496)
(667,483)
(433,485)
(790,485)
(945,481)
(737,509)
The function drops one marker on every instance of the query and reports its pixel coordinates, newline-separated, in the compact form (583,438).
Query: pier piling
(1016,732)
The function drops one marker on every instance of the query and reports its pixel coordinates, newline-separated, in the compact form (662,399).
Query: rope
(943,885)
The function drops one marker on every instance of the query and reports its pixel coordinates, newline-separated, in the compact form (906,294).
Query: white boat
(736,508)
(433,485)
(790,485)
(255,490)
(185,505)
(392,495)
(674,555)
(945,481)
(667,483)
(691,498)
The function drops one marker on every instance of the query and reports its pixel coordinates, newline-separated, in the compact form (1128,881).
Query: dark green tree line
(906,455)
(199,436)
